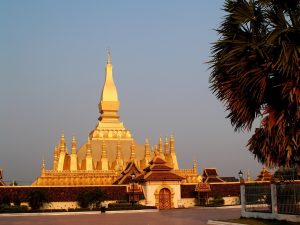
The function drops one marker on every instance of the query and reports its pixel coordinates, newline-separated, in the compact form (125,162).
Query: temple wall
(183,195)
(63,193)
(227,189)
(61,205)
(235,200)
(66,205)
(188,202)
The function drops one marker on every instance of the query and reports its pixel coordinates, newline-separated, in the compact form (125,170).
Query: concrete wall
(232,200)
(188,202)
(61,205)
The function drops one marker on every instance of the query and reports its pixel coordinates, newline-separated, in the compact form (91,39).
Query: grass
(251,221)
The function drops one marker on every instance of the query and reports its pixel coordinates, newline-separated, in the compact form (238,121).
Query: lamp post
(132,178)
(241,176)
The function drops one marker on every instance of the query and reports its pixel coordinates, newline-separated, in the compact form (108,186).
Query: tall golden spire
(43,169)
(108,56)
(118,164)
(89,158)
(166,146)
(132,153)
(173,153)
(43,164)
(73,157)
(109,120)
(62,153)
(147,157)
(109,102)
(55,158)
(172,141)
(73,145)
(147,148)
(160,146)
(104,159)
(195,166)
(62,143)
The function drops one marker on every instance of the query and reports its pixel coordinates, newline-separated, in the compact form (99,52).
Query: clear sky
(52,60)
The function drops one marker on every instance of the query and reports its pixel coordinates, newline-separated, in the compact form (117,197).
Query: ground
(194,216)
(261,222)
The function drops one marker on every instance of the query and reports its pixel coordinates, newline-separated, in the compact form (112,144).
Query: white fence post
(243,198)
(274,199)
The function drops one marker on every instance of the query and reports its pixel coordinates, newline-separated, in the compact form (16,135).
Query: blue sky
(52,60)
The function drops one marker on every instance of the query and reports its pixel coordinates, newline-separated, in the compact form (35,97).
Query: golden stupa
(109,148)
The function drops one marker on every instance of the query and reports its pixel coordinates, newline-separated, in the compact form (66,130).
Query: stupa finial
(108,56)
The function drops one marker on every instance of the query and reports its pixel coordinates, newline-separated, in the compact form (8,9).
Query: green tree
(36,199)
(256,74)
(91,198)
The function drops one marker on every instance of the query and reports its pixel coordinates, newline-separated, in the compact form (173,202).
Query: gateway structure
(109,148)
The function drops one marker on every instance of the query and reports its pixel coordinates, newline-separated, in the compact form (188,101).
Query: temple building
(109,148)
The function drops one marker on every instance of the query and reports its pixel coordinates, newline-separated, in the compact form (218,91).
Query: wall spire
(172,142)
(147,148)
(73,157)
(89,157)
(104,160)
(73,145)
(166,146)
(160,146)
(132,153)
(195,166)
(62,143)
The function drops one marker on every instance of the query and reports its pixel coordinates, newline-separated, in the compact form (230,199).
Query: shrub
(17,201)
(82,200)
(216,201)
(6,200)
(127,206)
(13,209)
(122,201)
(36,199)
(91,198)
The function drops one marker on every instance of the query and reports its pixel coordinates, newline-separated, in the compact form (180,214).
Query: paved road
(194,216)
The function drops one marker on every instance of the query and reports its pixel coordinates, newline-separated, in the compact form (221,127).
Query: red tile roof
(213,180)
(210,175)
(210,172)
(159,170)
(125,177)
(162,176)
(157,160)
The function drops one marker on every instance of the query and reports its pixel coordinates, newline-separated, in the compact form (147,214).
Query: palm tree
(256,74)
